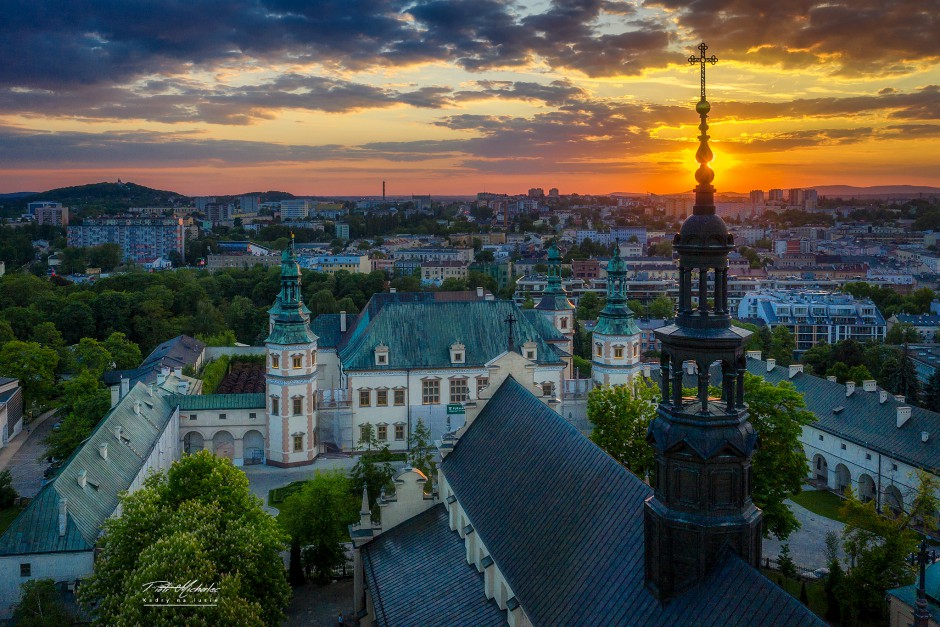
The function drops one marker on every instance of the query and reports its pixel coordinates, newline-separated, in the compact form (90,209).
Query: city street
(21,456)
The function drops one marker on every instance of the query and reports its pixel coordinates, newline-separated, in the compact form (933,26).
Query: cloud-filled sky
(459,96)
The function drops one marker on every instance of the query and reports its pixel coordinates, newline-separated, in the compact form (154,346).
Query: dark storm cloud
(860,36)
(555,93)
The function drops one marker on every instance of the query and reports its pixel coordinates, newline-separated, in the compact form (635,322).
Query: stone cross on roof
(702,59)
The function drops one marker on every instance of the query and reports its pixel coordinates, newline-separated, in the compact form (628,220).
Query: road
(22,454)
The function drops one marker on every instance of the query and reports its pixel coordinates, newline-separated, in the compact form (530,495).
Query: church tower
(615,342)
(554,304)
(291,374)
(701,505)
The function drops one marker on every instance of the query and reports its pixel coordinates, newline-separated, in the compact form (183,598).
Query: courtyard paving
(808,543)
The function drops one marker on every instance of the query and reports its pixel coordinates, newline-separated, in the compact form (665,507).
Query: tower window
(548,388)
(399,397)
(298,406)
(298,361)
(275,361)
(564,323)
(381,398)
(26,570)
(599,349)
(618,352)
(365,398)
(298,443)
(275,407)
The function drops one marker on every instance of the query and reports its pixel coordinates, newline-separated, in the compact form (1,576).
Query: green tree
(754,342)
(621,416)
(8,493)
(778,414)
(589,306)
(931,396)
(785,562)
(89,355)
(41,606)
(374,473)
(859,374)
(76,320)
(818,359)
(661,307)
(34,365)
(782,345)
(6,332)
(528,303)
(197,521)
(900,376)
(85,401)
(422,453)
(840,371)
(106,256)
(48,335)
(902,333)
(124,353)
(316,518)
(637,307)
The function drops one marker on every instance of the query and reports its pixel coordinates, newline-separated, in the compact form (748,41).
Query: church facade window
(399,432)
(365,432)
(381,398)
(275,407)
(382,433)
(548,388)
(482,382)
(399,398)
(459,392)
(365,398)
(298,405)
(564,323)
(430,392)
(298,443)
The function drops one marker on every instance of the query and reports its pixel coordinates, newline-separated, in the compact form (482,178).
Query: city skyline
(454,97)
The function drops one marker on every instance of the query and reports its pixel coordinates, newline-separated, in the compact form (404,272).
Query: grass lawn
(7,516)
(820,502)
(815,590)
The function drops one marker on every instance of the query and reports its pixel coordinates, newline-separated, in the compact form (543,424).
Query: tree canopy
(621,416)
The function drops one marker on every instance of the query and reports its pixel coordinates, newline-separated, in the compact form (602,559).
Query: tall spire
(616,318)
(702,445)
(554,298)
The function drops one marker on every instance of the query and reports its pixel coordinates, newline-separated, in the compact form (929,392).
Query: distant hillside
(15,195)
(849,191)
(102,197)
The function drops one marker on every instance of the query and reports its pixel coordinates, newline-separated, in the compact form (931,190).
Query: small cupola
(458,353)
(381,355)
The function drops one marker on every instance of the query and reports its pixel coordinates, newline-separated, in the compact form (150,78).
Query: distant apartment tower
(796,197)
(553,192)
(756,198)
(140,239)
(249,205)
(202,201)
(775,195)
(678,207)
(295,209)
(342,230)
(33,207)
(814,317)
(810,199)
(218,212)
(54,214)
(536,192)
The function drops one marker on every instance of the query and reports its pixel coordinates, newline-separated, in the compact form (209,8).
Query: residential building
(11,409)
(434,254)
(54,215)
(436,272)
(139,238)
(585,269)
(814,316)
(295,209)
(249,205)
(342,230)
(36,205)
(329,264)
(926,325)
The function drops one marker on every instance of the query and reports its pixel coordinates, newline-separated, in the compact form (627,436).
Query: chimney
(342,321)
(137,407)
(882,396)
(181,387)
(870,385)
(125,386)
(690,367)
(392,290)
(646,370)
(164,373)
(479,292)
(150,389)
(754,355)
(63,516)
(899,398)
(82,478)
(771,363)
(849,388)
(178,372)
(904,414)
(924,436)
(832,378)
(795,369)
(103,450)
(118,432)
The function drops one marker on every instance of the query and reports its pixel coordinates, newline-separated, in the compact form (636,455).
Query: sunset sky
(454,97)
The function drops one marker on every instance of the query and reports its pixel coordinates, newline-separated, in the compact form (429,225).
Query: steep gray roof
(36,529)
(564,523)
(418,575)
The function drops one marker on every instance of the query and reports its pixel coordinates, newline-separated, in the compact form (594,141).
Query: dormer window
(458,353)
(548,388)
(381,355)
(529,350)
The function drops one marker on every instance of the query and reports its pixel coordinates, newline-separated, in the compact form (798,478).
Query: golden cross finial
(702,59)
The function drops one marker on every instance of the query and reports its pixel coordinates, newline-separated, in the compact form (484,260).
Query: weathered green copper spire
(554,297)
(616,318)
(290,316)
(704,192)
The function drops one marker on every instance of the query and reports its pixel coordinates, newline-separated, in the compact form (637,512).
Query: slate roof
(564,523)
(425,578)
(6,380)
(919,320)
(36,529)
(191,402)
(439,325)
(178,352)
(326,328)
